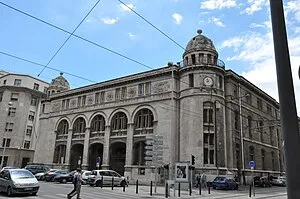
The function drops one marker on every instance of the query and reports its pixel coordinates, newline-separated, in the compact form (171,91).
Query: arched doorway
(60,154)
(117,157)
(95,150)
(139,153)
(76,156)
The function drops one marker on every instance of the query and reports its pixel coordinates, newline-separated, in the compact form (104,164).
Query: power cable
(151,24)
(69,37)
(38,64)
(77,36)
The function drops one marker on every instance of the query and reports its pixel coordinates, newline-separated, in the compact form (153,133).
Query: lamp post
(5,141)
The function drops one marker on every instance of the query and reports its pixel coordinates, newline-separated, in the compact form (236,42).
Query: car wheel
(9,192)
(64,180)
(98,183)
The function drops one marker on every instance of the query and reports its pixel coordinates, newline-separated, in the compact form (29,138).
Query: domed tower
(200,51)
(58,84)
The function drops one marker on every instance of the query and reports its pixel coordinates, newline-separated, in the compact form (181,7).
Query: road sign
(251,164)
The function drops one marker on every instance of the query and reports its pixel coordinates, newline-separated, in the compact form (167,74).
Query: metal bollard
(137,187)
(124,184)
(208,188)
(112,183)
(200,189)
(166,191)
(190,188)
(250,190)
(101,185)
(151,188)
(179,189)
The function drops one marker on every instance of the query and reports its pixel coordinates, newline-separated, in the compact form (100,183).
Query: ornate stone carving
(131,92)
(161,87)
(72,103)
(90,100)
(109,96)
(56,107)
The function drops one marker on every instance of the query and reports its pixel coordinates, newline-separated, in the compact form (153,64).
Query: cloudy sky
(240,29)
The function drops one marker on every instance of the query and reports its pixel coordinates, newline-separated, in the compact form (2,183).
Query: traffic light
(193,159)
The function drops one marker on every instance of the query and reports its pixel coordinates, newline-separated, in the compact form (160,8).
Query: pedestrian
(203,180)
(77,181)
(198,180)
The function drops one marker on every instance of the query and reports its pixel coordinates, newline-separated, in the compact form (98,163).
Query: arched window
(62,129)
(119,121)
(79,125)
(98,123)
(144,119)
(251,153)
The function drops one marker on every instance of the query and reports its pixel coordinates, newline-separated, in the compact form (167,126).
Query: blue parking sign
(98,160)
(251,164)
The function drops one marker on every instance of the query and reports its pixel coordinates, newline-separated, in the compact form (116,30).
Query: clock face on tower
(208,81)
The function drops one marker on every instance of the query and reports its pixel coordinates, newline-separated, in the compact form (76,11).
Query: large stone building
(194,107)
(20,100)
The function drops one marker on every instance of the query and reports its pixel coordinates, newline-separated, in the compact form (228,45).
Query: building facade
(20,100)
(163,116)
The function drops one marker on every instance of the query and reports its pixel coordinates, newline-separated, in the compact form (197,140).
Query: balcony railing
(201,61)
(62,137)
(97,134)
(143,131)
(78,136)
(118,133)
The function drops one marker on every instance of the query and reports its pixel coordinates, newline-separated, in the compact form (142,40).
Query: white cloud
(177,18)
(126,8)
(257,50)
(216,21)
(294,8)
(255,5)
(132,36)
(110,21)
(218,4)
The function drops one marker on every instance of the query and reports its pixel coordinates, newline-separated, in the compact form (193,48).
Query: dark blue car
(224,183)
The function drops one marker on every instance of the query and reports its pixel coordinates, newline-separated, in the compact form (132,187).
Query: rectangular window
(31,115)
(211,156)
(191,80)
(97,100)
(211,139)
(235,93)
(248,98)
(205,138)
(6,142)
(269,110)
(14,97)
(9,126)
(12,111)
(141,89)
(67,103)
(36,86)
(27,144)
(43,108)
(63,104)
(271,129)
(123,92)
(148,88)
(209,61)
(102,96)
(220,81)
(259,104)
(79,101)
(17,82)
(4,82)
(236,120)
(34,101)
(193,58)
(117,93)
(29,130)
(205,156)
(83,100)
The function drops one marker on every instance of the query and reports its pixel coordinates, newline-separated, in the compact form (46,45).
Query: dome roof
(200,42)
(59,83)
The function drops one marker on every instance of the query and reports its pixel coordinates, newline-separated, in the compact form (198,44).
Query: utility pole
(288,113)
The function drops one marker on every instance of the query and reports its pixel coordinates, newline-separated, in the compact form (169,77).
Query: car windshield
(21,174)
(221,179)
(94,173)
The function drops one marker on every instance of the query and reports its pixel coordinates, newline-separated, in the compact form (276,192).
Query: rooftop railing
(201,61)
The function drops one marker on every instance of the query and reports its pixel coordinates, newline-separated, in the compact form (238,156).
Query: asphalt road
(58,191)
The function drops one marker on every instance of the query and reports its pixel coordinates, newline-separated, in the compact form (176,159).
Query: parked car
(262,181)
(85,176)
(105,177)
(13,181)
(9,167)
(37,168)
(64,178)
(41,176)
(279,181)
(49,176)
(224,182)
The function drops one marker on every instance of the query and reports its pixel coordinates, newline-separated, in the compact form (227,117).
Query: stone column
(129,145)
(68,148)
(105,161)
(86,148)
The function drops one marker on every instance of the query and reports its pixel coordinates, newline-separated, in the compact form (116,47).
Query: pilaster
(86,147)
(129,144)
(68,148)
(105,161)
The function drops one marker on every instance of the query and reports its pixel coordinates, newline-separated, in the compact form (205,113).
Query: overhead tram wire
(69,37)
(98,45)
(77,36)
(151,24)
(51,68)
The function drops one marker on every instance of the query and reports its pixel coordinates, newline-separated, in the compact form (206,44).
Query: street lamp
(5,141)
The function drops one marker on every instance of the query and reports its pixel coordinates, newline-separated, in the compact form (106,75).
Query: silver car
(14,181)
(105,177)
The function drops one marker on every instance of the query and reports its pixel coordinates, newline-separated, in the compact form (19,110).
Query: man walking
(77,180)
